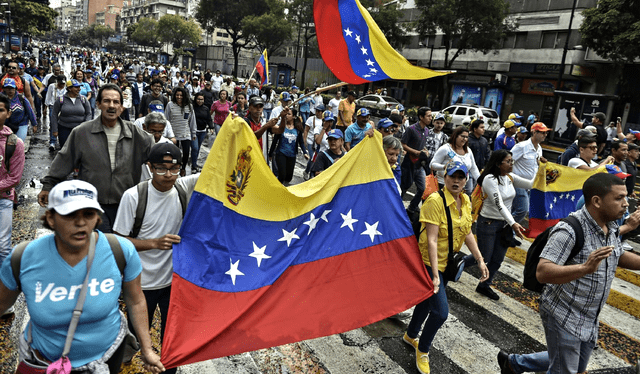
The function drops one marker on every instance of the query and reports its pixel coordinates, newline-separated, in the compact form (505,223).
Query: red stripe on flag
(537,226)
(331,41)
(311,300)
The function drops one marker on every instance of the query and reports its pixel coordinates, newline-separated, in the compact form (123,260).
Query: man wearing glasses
(165,201)
(157,86)
(14,73)
(588,150)
(386,127)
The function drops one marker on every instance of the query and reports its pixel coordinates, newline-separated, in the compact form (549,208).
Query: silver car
(378,105)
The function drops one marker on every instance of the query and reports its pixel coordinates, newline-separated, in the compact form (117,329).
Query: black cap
(352,93)
(160,150)
(633,146)
(256,100)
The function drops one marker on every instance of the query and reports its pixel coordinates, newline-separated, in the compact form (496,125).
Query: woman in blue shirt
(51,270)
(305,106)
(85,88)
(286,145)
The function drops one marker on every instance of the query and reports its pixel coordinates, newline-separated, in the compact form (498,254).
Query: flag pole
(320,89)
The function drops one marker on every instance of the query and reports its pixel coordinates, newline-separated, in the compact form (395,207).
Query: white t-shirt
(216,82)
(312,123)
(525,157)
(499,200)
(577,161)
(163,216)
(333,105)
(113,133)
(146,172)
(324,144)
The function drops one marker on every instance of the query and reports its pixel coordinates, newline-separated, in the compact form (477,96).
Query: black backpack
(530,281)
(141,208)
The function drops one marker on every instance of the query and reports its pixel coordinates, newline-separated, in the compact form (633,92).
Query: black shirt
(323,162)
(630,182)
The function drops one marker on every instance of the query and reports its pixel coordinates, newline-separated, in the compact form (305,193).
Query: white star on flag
(554,200)
(561,196)
(348,32)
(550,206)
(364,50)
(288,236)
(233,271)
(358,38)
(258,253)
(370,63)
(573,197)
(366,75)
(324,216)
(546,215)
(348,220)
(374,70)
(312,222)
(372,230)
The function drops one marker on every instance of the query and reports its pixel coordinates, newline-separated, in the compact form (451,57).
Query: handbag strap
(449,224)
(77,311)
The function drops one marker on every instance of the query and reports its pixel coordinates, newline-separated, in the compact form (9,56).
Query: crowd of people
(130,131)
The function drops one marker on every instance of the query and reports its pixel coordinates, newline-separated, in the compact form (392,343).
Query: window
(521,40)
(553,39)
(461,111)
(218,33)
(509,42)
(472,112)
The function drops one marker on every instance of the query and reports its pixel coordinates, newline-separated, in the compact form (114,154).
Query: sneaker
(422,362)
(503,363)
(488,292)
(52,148)
(412,342)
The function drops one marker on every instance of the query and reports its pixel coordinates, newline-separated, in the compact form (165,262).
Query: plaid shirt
(433,144)
(576,305)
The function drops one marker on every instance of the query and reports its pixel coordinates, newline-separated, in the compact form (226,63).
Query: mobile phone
(619,119)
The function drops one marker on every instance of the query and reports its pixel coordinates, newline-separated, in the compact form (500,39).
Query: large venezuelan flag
(261,265)
(555,193)
(355,49)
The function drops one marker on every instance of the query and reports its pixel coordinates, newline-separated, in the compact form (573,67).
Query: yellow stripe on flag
(559,178)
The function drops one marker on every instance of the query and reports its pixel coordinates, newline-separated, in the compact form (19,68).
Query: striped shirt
(113,133)
(576,305)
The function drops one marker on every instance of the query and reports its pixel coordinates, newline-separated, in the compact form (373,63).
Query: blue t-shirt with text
(354,134)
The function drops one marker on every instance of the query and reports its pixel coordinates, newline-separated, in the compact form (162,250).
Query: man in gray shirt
(108,152)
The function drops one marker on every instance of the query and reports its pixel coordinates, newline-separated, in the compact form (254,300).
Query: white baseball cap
(70,196)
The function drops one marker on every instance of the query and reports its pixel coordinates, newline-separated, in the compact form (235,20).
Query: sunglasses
(388,129)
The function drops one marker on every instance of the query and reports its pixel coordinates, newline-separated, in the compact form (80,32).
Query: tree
(31,17)
(178,32)
(467,25)
(228,15)
(93,36)
(144,33)
(270,30)
(388,18)
(612,29)
(303,16)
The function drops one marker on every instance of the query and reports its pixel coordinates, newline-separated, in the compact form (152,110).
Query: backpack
(530,281)
(143,195)
(16,257)
(9,149)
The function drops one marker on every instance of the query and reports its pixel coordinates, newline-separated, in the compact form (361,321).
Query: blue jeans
(310,148)
(433,312)
(52,139)
(266,113)
(530,363)
(520,206)
(489,244)
(304,116)
(22,132)
(63,134)
(195,148)
(567,353)
(418,178)
(6,217)
(92,102)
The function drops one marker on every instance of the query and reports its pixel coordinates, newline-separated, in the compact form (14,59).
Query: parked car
(458,112)
(378,105)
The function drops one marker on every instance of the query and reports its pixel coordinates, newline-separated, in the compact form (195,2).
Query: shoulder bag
(455,263)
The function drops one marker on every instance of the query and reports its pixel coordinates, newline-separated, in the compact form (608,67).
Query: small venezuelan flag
(261,265)
(262,67)
(355,49)
(555,193)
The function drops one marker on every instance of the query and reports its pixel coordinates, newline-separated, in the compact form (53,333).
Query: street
(477,328)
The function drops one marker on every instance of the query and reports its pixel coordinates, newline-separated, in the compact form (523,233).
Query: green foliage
(178,32)
(94,36)
(388,18)
(472,25)
(31,17)
(269,30)
(612,29)
(228,15)
(144,33)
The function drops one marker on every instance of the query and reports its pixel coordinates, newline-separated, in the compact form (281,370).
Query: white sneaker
(8,312)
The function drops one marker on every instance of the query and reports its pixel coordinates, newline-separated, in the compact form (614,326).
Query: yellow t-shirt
(433,212)
(347,110)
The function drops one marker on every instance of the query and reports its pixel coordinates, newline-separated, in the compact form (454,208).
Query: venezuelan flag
(261,265)
(262,67)
(355,49)
(555,193)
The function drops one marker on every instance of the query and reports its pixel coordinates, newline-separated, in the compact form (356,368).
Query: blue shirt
(305,104)
(288,142)
(355,134)
(51,286)
(85,89)
(504,142)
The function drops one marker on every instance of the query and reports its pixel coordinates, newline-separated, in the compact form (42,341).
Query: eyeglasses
(464,136)
(389,130)
(12,67)
(592,147)
(161,170)
(508,161)
(155,132)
